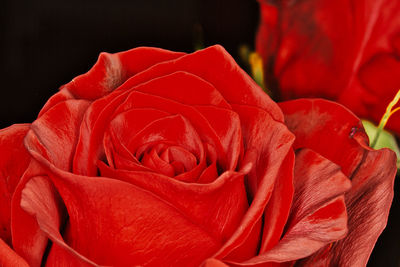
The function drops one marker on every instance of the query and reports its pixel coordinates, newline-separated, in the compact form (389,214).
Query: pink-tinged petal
(213,64)
(111,70)
(318,214)
(27,239)
(126,236)
(219,205)
(55,133)
(60,96)
(8,257)
(266,145)
(371,172)
(40,199)
(11,171)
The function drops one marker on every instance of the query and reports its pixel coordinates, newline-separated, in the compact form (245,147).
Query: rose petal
(319,48)
(226,124)
(185,88)
(8,257)
(111,70)
(371,171)
(56,132)
(11,170)
(206,63)
(326,128)
(88,148)
(267,143)
(318,214)
(218,206)
(153,161)
(175,130)
(213,263)
(127,232)
(28,239)
(278,208)
(123,127)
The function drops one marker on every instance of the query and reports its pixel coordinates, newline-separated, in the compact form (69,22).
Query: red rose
(345,50)
(158,158)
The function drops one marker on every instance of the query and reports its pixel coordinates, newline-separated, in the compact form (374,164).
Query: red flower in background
(159,158)
(345,50)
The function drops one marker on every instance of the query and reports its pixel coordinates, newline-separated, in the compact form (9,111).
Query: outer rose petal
(55,133)
(9,258)
(205,64)
(267,144)
(321,48)
(318,213)
(111,70)
(213,263)
(218,206)
(213,64)
(40,200)
(136,227)
(11,170)
(333,128)
(28,240)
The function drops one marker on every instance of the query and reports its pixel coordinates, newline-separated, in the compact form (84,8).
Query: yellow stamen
(256,65)
(389,112)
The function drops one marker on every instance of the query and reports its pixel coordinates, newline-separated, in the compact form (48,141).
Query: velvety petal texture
(11,147)
(157,158)
(371,172)
(345,50)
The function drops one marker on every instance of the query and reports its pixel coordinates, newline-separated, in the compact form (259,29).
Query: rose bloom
(344,50)
(157,158)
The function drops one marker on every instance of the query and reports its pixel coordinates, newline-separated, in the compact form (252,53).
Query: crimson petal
(111,70)
(55,133)
(218,205)
(334,129)
(11,170)
(124,240)
(318,213)
(267,143)
(322,48)
(8,257)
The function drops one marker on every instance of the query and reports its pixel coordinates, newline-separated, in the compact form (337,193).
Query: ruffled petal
(28,239)
(136,227)
(266,145)
(8,257)
(330,129)
(11,171)
(55,133)
(318,214)
(333,49)
(213,64)
(89,145)
(219,205)
(111,70)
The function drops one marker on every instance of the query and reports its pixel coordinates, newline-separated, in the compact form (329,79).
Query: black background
(44,44)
